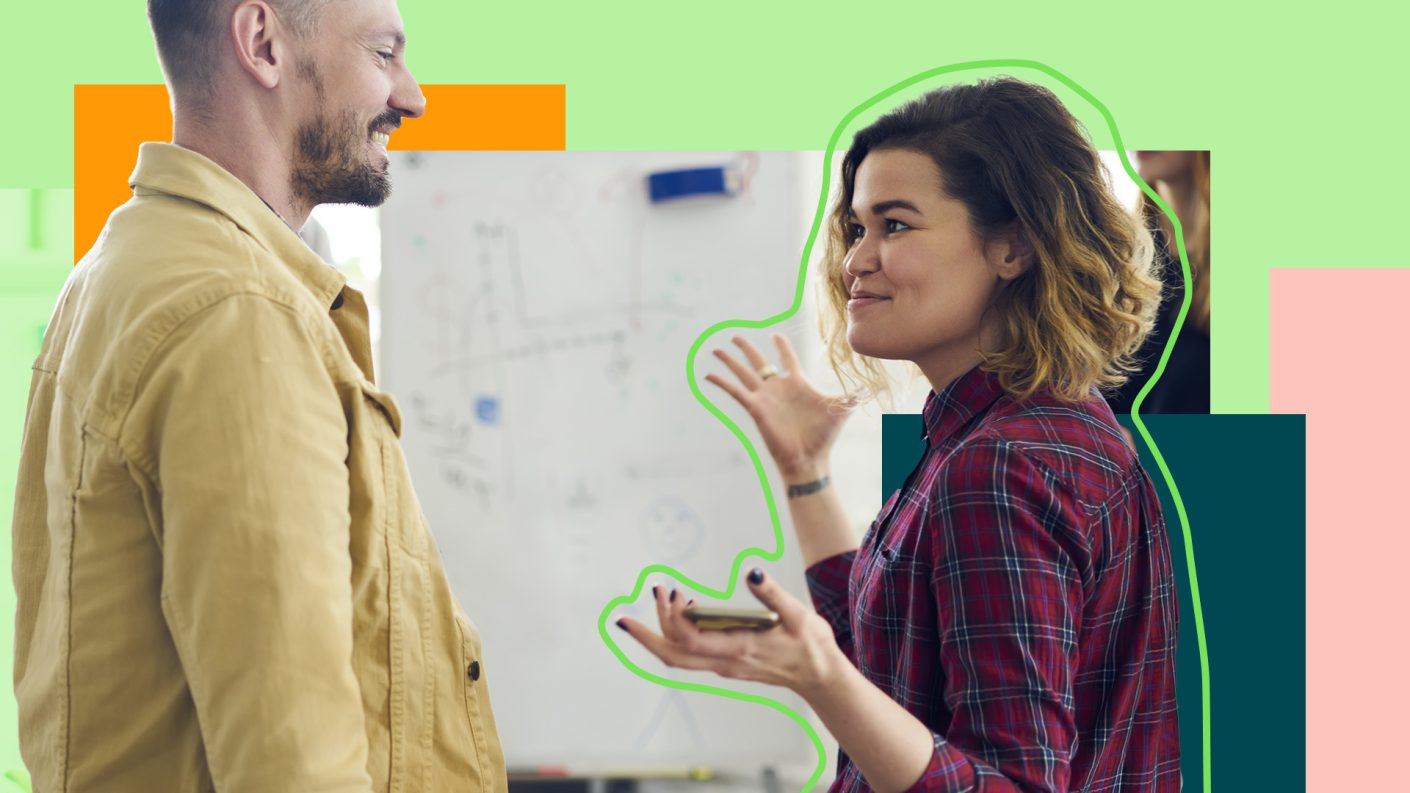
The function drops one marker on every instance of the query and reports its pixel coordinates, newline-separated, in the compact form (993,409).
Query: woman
(1008,623)
(1182,179)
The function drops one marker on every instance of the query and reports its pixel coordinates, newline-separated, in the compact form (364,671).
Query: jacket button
(473,671)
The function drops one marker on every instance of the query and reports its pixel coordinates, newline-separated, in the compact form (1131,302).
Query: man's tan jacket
(225,582)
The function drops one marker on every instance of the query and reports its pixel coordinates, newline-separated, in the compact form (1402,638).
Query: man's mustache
(391,117)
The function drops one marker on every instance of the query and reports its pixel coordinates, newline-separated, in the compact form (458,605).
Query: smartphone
(708,618)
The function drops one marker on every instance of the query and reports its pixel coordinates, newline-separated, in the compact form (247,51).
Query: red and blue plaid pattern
(1017,597)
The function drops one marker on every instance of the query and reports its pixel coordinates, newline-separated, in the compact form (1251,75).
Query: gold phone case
(727,619)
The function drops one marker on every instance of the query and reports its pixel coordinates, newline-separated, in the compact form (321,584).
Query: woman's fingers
(756,358)
(785,353)
(670,611)
(701,642)
(791,611)
(730,387)
(663,611)
(683,631)
(681,644)
(732,645)
(668,651)
(747,376)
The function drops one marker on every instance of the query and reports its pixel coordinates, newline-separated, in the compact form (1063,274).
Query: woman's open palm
(798,423)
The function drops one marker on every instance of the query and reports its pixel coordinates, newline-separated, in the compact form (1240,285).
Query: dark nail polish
(622,624)
(656,591)
(690,603)
(756,576)
(673,596)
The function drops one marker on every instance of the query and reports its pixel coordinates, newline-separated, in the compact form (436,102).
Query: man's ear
(1012,254)
(259,43)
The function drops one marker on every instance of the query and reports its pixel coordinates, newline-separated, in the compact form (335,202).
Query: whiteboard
(537,311)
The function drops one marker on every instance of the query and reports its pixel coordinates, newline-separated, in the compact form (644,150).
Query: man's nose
(407,97)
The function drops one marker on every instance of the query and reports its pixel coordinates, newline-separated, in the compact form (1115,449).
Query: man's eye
(386,55)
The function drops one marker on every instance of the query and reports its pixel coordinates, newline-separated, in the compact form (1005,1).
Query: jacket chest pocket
(400,512)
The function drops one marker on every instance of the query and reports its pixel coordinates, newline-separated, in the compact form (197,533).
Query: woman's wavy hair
(1011,153)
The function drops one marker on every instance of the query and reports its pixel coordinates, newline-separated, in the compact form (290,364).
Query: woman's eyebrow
(882,207)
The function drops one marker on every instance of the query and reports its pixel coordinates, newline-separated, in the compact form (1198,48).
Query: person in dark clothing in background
(1182,179)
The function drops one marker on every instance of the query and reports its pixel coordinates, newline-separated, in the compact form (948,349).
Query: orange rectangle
(487,118)
(110,121)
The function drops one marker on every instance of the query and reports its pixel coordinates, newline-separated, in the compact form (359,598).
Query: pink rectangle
(1337,353)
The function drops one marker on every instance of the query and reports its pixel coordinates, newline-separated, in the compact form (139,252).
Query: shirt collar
(969,395)
(173,170)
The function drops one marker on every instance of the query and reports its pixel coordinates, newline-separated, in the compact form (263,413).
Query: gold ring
(766,371)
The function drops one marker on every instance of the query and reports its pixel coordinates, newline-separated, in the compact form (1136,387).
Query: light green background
(1305,113)
(36,253)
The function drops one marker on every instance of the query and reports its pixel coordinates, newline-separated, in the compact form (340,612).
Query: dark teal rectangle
(1243,483)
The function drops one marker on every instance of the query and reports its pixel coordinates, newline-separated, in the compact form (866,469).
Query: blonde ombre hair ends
(1011,153)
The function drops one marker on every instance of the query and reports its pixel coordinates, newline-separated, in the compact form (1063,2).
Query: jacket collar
(165,168)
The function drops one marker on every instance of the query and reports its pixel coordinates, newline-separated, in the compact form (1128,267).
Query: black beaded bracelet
(808,488)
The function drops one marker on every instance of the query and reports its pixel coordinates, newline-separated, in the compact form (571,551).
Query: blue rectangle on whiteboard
(668,185)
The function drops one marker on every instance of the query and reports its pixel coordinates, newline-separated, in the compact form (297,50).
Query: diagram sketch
(537,314)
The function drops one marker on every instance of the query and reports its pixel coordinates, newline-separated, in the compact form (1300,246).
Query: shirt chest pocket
(399,511)
(876,531)
(900,550)
(888,565)
(892,537)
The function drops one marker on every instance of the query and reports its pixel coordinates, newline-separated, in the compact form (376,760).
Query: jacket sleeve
(240,425)
(1009,594)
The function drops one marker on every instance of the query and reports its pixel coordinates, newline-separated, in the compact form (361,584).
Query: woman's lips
(862,301)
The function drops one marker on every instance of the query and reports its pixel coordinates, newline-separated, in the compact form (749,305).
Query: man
(224,579)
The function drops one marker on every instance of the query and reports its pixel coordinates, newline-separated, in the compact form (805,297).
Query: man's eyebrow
(882,207)
(395,34)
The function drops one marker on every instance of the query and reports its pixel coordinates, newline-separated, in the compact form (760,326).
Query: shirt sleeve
(247,441)
(1009,596)
(827,583)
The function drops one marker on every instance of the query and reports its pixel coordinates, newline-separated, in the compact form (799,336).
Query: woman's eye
(891,226)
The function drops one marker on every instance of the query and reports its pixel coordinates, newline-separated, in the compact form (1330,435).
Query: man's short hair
(188,33)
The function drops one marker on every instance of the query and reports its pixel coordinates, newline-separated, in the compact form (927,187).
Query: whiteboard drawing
(671,531)
(672,716)
(537,312)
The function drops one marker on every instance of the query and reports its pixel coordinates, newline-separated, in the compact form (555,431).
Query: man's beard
(331,165)
(330,156)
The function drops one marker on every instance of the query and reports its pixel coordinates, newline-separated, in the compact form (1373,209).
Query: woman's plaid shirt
(1017,597)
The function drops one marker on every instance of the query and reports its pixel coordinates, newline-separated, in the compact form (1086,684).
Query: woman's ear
(1011,253)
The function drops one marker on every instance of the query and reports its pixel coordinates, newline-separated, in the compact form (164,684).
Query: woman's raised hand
(799,424)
